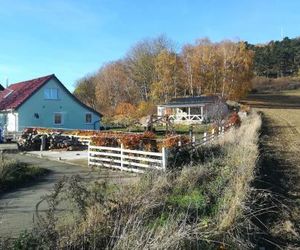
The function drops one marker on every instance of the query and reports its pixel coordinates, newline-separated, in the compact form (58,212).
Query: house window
(58,119)
(88,118)
(51,94)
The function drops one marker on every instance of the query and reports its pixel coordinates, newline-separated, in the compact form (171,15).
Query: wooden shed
(197,109)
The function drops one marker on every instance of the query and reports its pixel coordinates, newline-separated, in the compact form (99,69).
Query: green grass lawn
(160,131)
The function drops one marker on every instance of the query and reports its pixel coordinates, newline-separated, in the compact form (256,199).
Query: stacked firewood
(31,140)
(58,141)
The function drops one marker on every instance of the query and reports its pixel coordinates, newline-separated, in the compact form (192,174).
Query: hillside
(277,58)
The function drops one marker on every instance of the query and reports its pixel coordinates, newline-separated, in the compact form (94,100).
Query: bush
(14,174)
(26,241)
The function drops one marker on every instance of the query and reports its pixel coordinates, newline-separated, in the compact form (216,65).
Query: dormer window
(51,94)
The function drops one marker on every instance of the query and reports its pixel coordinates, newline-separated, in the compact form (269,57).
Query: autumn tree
(85,91)
(113,85)
(140,62)
(187,56)
(153,72)
(237,69)
(168,69)
(218,68)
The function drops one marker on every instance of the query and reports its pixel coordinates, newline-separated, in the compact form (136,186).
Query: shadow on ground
(273,101)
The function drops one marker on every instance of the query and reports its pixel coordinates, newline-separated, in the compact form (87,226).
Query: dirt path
(17,208)
(280,168)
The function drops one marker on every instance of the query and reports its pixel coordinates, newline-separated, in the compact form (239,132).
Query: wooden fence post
(204,138)
(191,132)
(43,143)
(223,130)
(122,164)
(89,163)
(212,134)
(164,159)
(219,130)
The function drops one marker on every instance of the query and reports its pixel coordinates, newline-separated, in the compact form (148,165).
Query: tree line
(154,72)
(277,58)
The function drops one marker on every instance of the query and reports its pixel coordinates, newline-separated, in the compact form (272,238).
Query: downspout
(95,124)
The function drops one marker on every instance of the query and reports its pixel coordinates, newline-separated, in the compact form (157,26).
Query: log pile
(31,140)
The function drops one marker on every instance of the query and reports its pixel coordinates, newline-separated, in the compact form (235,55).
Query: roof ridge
(34,79)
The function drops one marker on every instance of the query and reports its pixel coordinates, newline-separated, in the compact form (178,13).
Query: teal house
(44,102)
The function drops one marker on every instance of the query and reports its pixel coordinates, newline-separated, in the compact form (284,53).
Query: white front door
(12,122)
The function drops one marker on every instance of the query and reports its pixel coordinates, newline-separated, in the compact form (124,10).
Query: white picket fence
(139,161)
(125,159)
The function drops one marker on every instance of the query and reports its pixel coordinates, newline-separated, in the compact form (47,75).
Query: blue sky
(74,38)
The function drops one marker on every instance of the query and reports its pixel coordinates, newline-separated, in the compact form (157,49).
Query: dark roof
(192,100)
(1,87)
(16,94)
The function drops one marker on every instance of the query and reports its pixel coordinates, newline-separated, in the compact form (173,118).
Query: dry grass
(243,155)
(264,84)
(201,206)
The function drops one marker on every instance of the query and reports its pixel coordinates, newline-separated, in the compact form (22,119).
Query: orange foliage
(233,119)
(146,108)
(125,109)
(173,141)
(140,141)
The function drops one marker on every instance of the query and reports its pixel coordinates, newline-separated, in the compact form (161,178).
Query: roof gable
(76,99)
(16,94)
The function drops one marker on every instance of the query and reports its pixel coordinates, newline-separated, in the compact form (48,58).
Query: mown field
(280,170)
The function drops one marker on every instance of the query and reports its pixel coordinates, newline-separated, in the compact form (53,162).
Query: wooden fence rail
(139,161)
(125,159)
